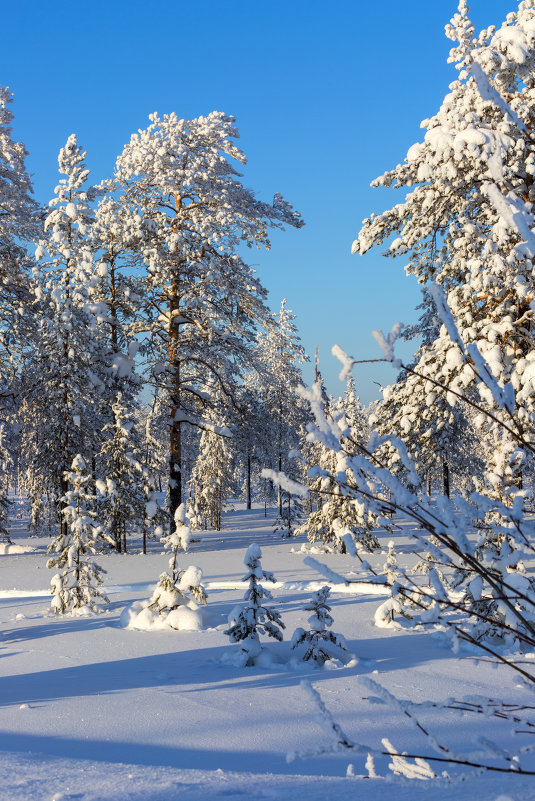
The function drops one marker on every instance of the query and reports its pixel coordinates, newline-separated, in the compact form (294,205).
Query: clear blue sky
(326,96)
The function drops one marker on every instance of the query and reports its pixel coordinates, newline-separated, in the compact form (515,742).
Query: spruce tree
(319,643)
(182,580)
(20,225)
(62,413)
(212,477)
(253,618)
(340,521)
(121,501)
(77,586)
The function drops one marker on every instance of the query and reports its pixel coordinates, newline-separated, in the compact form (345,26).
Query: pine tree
(340,521)
(76,589)
(20,224)
(253,618)
(152,460)
(466,230)
(212,477)
(5,504)
(117,297)
(19,219)
(466,222)
(202,301)
(276,376)
(320,644)
(175,600)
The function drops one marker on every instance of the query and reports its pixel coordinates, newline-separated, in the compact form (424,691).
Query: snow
(281,480)
(387,343)
(347,362)
(9,547)
(94,711)
(138,615)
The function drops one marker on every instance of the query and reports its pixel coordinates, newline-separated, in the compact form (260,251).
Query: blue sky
(326,98)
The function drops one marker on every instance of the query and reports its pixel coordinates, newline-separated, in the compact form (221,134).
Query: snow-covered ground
(93,711)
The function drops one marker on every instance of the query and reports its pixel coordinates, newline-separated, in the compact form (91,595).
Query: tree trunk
(175,445)
(64,486)
(279,492)
(445,477)
(248,480)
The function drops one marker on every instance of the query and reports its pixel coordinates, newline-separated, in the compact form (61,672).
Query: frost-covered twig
(420,769)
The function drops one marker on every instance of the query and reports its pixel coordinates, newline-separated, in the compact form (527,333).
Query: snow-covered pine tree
(153,466)
(212,477)
(396,603)
(456,226)
(6,462)
(114,235)
(440,437)
(62,411)
(77,586)
(278,356)
(340,521)
(20,224)
(187,580)
(247,621)
(121,499)
(202,301)
(466,227)
(319,643)
(20,214)
(175,600)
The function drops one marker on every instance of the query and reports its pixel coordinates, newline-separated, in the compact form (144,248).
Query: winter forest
(218,578)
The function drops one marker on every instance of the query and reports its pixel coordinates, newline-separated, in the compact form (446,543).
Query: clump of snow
(263,658)
(285,483)
(9,547)
(386,343)
(384,614)
(191,577)
(347,362)
(141,615)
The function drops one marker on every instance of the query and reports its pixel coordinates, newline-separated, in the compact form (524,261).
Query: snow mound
(237,657)
(139,615)
(301,666)
(9,547)
(307,547)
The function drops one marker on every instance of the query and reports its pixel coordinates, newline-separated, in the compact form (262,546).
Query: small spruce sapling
(76,589)
(400,598)
(172,590)
(384,614)
(251,618)
(175,601)
(321,644)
